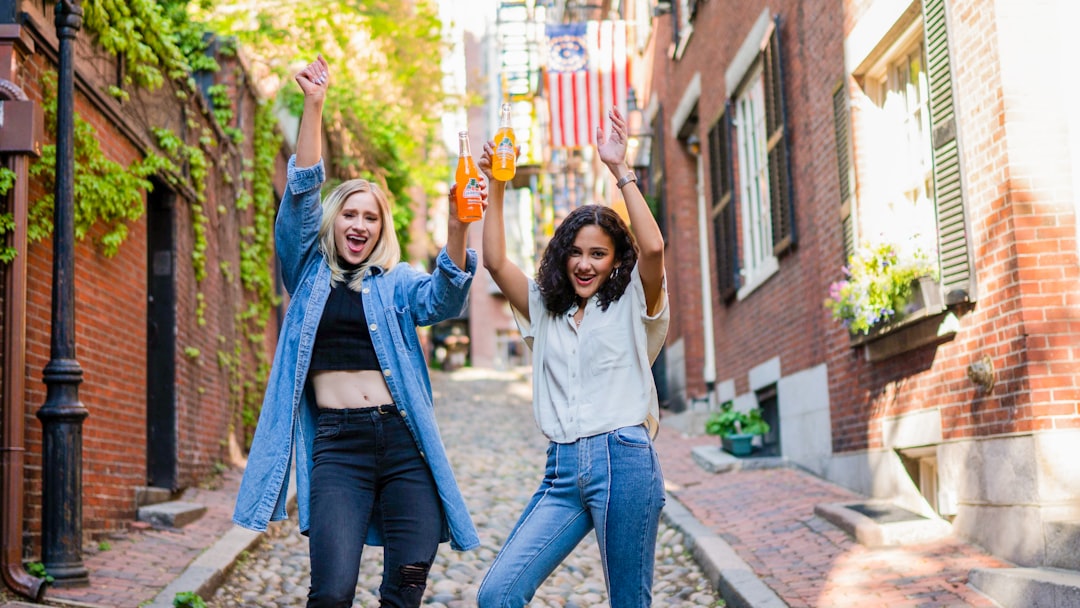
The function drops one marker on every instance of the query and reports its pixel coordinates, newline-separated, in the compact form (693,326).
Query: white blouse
(597,377)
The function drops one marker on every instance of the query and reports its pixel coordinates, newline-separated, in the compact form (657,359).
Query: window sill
(769,266)
(930,323)
(907,335)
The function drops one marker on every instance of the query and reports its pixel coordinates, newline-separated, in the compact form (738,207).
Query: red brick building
(790,135)
(169,357)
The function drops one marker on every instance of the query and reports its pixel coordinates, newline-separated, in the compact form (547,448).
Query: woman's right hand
(484,163)
(314,79)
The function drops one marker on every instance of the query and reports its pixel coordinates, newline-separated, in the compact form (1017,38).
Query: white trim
(748,51)
(872,29)
(686,105)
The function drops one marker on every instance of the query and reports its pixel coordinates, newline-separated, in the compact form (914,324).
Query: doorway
(161,424)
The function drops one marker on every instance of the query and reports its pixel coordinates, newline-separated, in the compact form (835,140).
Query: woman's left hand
(453,201)
(612,151)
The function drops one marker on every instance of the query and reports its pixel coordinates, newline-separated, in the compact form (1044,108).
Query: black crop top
(343,341)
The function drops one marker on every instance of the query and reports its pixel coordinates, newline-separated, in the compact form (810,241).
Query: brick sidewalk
(767,516)
(138,564)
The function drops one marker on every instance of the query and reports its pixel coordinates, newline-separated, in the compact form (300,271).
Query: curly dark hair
(552,280)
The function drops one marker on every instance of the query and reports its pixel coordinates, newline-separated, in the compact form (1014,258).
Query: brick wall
(111,313)
(1022,228)
(786,310)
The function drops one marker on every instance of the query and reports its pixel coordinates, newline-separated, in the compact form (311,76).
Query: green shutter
(722,179)
(782,204)
(842,126)
(957,282)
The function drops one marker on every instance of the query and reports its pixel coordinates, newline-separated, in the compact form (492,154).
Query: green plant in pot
(736,429)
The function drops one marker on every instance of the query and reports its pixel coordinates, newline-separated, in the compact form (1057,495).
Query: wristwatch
(626,179)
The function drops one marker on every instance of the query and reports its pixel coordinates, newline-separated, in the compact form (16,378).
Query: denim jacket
(395,303)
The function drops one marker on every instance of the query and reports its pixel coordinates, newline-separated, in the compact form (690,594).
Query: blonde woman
(349,391)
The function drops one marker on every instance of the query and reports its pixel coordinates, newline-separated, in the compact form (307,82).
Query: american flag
(586,75)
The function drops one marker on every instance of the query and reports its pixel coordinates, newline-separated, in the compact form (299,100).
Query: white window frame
(751,137)
(686,28)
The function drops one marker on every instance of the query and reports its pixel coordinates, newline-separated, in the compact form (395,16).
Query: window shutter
(842,124)
(722,179)
(957,282)
(780,199)
(656,171)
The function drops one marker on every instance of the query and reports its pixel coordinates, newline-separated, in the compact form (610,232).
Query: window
(753,176)
(685,11)
(762,177)
(909,172)
(898,205)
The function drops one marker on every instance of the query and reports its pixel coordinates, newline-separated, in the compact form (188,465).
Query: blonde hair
(387,251)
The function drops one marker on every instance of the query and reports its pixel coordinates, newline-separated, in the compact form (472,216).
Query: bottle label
(505,147)
(472,189)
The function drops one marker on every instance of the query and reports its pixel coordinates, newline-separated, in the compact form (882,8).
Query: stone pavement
(498,456)
(754,533)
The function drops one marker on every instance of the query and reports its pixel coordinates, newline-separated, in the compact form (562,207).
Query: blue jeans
(365,460)
(611,483)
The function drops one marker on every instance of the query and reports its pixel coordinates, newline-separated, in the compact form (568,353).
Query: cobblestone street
(498,455)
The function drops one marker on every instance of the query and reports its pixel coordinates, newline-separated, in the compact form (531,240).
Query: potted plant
(736,429)
(879,286)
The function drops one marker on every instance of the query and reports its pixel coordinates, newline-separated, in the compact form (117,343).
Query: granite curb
(208,571)
(727,572)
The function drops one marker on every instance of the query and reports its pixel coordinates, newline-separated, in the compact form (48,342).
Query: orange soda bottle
(504,165)
(467,183)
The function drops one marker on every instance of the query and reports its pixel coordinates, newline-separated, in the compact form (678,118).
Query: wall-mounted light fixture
(693,144)
(981,372)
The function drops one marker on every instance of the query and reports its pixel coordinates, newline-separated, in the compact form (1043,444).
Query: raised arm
(314,80)
(457,232)
(650,240)
(511,280)
(296,228)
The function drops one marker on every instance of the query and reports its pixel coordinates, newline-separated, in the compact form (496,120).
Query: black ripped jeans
(365,461)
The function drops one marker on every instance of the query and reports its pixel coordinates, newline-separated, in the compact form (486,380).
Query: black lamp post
(62,414)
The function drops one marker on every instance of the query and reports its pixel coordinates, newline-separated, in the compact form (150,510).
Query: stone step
(149,495)
(876,523)
(1028,587)
(1062,545)
(715,460)
(172,514)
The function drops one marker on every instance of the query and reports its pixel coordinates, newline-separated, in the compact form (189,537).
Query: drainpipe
(709,365)
(20,137)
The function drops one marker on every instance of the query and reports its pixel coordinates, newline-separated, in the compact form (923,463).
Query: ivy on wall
(105,191)
(161,47)
(381,120)
(7,220)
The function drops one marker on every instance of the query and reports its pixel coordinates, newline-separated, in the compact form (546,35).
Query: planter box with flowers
(882,295)
(879,290)
(736,429)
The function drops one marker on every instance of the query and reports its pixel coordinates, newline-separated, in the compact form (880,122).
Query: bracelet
(626,179)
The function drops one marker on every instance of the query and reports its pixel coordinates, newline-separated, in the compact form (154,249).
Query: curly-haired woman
(596,317)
